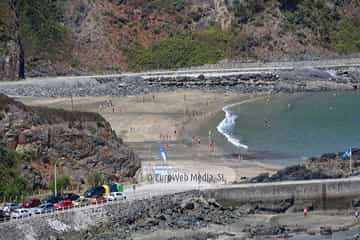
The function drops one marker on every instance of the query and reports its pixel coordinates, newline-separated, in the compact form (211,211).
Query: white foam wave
(227,124)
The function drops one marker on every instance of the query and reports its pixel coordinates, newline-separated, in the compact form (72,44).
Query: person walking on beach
(356,215)
(134,188)
(305,212)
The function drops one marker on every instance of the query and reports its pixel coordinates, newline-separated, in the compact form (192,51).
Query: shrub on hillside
(185,50)
(332,31)
(62,183)
(347,39)
(12,184)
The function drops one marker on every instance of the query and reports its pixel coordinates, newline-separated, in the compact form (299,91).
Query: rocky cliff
(9,64)
(78,36)
(79,143)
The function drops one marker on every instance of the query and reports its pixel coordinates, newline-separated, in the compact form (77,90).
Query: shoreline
(150,117)
(229,121)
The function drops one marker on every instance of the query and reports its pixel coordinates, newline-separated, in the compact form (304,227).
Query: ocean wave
(227,124)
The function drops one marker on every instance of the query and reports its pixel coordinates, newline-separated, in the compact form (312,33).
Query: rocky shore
(327,166)
(281,81)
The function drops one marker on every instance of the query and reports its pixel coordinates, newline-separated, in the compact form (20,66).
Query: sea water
(293,127)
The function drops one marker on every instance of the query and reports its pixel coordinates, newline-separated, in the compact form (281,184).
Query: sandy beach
(179,121)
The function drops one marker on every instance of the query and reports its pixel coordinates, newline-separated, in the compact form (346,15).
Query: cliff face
(9,65)
(80,143)
(103,36)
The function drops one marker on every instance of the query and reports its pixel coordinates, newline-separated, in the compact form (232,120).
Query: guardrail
(129,197)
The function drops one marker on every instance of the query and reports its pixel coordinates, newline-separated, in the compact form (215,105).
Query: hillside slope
(79,143)
(114,35)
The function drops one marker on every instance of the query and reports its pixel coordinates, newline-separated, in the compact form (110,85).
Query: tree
(96,178)
(62,183)
(12,183)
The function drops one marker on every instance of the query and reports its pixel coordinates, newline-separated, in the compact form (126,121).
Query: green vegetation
(347,39)
(41,28)
(192,49)
(316,16)
(12,184)
(158,5)
(183,50)
(331,31)
(95,179)
(36,26)
(245,10)
(62,183)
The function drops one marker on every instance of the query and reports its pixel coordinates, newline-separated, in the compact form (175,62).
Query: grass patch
(192,49)
(183,50)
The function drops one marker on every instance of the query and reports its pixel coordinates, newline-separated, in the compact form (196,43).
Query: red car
(97,200)
(31,203)
(65,204)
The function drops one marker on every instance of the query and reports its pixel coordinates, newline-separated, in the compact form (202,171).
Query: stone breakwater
(280,81)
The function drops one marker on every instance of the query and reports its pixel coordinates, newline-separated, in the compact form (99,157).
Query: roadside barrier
(129,197)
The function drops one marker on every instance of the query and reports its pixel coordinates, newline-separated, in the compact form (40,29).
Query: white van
(115,196)
(20,213)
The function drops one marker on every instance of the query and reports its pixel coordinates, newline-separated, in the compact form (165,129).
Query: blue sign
(163,154)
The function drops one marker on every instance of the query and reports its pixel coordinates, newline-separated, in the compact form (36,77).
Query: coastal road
(147,191)
(209,70)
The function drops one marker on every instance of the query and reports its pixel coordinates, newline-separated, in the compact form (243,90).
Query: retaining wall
(320,192)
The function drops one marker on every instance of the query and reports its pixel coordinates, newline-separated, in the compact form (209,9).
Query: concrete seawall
(321,193)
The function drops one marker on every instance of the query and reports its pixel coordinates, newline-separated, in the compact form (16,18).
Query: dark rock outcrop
(291,173)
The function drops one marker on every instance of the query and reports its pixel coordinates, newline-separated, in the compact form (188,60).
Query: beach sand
(172,120)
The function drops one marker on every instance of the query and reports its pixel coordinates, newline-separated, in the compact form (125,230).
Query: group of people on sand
(197,141)
(108,104)
(168,136)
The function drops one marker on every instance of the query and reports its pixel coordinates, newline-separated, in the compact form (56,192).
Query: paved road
(213,70)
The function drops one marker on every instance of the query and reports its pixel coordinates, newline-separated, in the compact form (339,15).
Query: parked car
(20,213)
(95,192)
(70,196)
(9,207)
(65,204)
(115,196)
(97,200)
(44,208)
(52,199)
(4,216)
(81,202)
(31,203)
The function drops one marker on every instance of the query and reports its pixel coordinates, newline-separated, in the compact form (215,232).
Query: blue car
(52,199)
(97,191)
(44,208)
